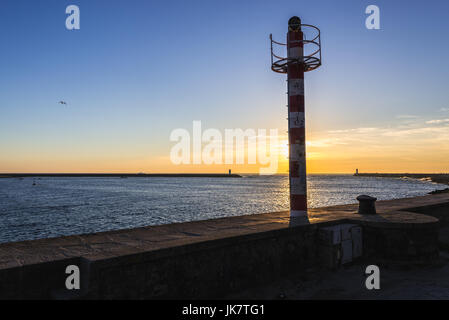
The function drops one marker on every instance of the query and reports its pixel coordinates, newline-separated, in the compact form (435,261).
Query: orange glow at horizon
(421,147)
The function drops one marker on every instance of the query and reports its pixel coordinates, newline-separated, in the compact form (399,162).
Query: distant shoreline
(119,175)
(434,177)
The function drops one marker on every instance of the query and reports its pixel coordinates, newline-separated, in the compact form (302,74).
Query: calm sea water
(67,206)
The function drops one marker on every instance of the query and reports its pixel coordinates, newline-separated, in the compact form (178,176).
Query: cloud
(354,130)
(423,131)
(438,121)
(406,144)
(430,134)
(406,116)
(444,109)
(323,143)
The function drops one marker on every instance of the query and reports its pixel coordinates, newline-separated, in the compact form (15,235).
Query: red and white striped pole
(296,120)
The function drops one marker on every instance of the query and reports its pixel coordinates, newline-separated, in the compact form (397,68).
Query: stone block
(330,235)
(330,256)
(346,251)
(346,231)
(357,244)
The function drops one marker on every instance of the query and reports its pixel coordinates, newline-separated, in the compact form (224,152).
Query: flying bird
(62,102)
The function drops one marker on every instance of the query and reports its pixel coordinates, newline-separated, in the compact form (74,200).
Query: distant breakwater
(119,175)
(434,177)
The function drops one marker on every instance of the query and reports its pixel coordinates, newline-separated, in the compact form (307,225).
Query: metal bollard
(366,204)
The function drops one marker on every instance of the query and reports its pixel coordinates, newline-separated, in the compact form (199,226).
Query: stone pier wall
(211,259)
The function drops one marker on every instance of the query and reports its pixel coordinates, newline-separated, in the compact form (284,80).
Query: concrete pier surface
(215,258)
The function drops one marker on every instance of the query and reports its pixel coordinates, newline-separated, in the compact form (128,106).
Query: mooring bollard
(367,204)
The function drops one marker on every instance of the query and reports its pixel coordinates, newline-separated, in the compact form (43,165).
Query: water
(67,206)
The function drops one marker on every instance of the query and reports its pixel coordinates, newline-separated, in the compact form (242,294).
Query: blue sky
(136,70)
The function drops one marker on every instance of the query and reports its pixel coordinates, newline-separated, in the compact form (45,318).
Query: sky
(136,71)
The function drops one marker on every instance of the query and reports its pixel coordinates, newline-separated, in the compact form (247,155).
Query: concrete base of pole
(298,213)
(298,221)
